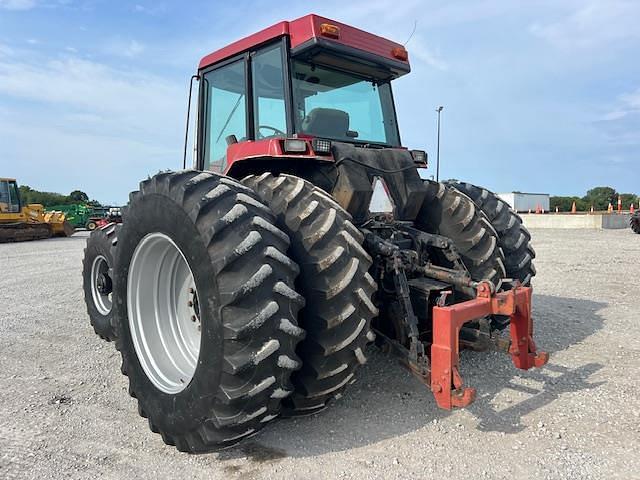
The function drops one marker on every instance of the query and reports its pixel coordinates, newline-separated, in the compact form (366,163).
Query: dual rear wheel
(234,302)
(205,303)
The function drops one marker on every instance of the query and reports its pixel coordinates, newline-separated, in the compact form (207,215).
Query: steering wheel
(275,130)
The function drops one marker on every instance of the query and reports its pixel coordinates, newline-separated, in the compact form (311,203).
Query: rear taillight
(294,145)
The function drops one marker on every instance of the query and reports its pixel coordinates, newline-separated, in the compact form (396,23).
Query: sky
(538,96)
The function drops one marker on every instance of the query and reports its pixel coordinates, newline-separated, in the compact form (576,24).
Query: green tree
(79,196)
(564,204)
(628,199)
(49,199)
(600,197)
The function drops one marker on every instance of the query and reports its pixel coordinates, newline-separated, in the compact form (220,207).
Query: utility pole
(439,109)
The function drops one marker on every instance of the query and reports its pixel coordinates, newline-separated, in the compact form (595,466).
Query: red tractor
(250,286)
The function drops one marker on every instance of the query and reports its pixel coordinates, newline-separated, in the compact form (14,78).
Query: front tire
(199,251)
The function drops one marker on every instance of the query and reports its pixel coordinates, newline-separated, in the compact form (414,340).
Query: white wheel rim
(164,318)
(101,299)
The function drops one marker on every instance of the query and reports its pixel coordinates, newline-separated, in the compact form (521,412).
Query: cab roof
(307,32)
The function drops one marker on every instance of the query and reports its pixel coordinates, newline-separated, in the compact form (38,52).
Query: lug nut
(190,303)
(193,318)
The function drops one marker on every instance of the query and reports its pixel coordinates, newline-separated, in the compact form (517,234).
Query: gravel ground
(65,411)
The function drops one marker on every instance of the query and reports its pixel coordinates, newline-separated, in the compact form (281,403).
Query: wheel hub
(104,284)
(101,285)
(164,313)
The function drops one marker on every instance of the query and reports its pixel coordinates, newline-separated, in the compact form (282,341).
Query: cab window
(225,112)
(270,117)
(9,197)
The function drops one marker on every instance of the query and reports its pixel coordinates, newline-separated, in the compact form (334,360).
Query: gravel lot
(65,411)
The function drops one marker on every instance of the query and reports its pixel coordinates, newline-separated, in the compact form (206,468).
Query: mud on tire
(514,238)
(247,308)
(635,222)
(450,213)
(334,280)
(97,278)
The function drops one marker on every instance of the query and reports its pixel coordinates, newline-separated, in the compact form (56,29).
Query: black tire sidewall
(96,247)
(181,412)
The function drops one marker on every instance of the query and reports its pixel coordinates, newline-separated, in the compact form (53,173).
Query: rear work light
(321,146)
(329,30)
(400,53)
(419,157)
(294,145)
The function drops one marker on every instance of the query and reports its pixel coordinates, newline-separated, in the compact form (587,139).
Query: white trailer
(523,202)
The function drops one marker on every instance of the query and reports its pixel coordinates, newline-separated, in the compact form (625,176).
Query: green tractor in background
(84,216)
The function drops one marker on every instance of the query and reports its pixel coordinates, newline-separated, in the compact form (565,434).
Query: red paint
(274,31)
(446,382)
(268,148)
(304,29)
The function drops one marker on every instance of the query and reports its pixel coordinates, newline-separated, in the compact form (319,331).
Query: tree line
(598,198)
(49,199)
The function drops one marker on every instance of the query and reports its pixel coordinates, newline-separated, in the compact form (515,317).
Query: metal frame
(445,380)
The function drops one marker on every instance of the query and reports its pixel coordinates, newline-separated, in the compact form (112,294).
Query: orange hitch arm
(446,382)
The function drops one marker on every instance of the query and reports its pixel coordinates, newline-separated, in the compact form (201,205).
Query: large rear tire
(205,311)
(448,212)
(97,279)
(635,222)
(335,282)
(514,238)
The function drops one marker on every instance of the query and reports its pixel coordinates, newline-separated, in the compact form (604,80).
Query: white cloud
(150,10)
(596,24)
(125,48)
(85,84)
(632,99)
(17,4)
(626,104)
(419,49)
(85,116)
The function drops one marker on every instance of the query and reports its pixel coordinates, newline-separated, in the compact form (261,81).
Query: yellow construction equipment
(27,222)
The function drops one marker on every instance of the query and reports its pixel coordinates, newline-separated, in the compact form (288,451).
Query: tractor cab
(292,90)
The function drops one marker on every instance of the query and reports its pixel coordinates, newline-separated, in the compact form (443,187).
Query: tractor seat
(326,122)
